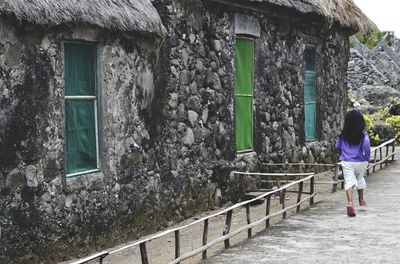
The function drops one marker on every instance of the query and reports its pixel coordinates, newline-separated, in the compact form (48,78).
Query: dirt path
(162,250)
(325,234)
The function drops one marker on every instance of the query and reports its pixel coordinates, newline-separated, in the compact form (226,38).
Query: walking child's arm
(366,147)
(338,145)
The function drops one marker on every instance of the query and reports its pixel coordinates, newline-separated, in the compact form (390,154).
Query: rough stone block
(15,180)
(31,176)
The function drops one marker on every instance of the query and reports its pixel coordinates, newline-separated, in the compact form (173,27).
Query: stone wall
(167,127)
(378,67)
(202,56)
(43,215)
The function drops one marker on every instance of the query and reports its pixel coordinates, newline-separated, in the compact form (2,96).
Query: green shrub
(385,132)
(373,39)
(381,115)
(394,121)
(369,127)
(394,108)
(351,97)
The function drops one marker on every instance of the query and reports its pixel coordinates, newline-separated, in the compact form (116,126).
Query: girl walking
(354,147)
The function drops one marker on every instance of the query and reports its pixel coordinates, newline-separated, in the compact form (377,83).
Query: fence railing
(386,155)
(227,233)
(315,167)
(387,149)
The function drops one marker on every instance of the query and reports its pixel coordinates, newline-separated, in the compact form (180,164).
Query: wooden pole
(267,210)
(283,203)
(312,190)
(299,196)
(381,158)
(234,233)
(227,227)
(393,149)
(375,152)
(177,244)
(205,233)
(248,219)
(143,253)
(335,178)
(387,154)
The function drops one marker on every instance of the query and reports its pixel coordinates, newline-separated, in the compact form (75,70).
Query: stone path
(325,234)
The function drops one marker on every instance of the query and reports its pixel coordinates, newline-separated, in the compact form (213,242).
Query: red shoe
(350,210)
(363,203)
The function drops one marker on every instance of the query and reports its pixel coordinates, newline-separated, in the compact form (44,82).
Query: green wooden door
(80,107)
(244,63)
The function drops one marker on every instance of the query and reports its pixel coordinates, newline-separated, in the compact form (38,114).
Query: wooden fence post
(312,190)
(283,202)
(381,158)
(205,233)
(387,154)
(248,220)
(299,196)
(177,244)
(375,152)
(393,149)
(227,227)
(267,210)
(143,253)
(335,178)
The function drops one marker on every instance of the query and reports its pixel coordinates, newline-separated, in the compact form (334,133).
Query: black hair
(354,125)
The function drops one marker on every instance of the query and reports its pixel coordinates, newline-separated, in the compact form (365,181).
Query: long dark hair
(354,125)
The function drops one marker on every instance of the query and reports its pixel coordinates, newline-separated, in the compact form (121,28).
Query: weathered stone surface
(377,95)
(31,176)
(247,25)
(188,138)
(51,170)
(167,137)
(2,181)
(15,180)
(373,75)
(192,116)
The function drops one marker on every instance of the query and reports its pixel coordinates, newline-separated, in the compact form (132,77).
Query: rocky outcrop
(374,75)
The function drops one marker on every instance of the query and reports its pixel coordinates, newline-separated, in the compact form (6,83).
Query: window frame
(246,95)
(315,138)
(95,98)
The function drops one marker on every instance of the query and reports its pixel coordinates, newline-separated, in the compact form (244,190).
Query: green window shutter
(310,94)
(244,64)
(81,136)
(80,113)
(80,69)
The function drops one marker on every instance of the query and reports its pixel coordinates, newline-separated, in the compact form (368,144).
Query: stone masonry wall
(167,126)
(43,216)
(202,47)
(377,67)
(279,92)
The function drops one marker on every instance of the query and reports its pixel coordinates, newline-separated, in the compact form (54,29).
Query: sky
(385,13)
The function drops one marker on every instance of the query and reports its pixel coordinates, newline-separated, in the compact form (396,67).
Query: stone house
(67,69)
(120,118)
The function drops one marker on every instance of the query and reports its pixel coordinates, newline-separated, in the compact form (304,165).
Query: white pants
(353,173)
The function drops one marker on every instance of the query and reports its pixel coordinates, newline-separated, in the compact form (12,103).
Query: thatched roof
(121,15)
(344,12)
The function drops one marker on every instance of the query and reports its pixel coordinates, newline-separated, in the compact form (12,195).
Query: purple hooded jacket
(354,153)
